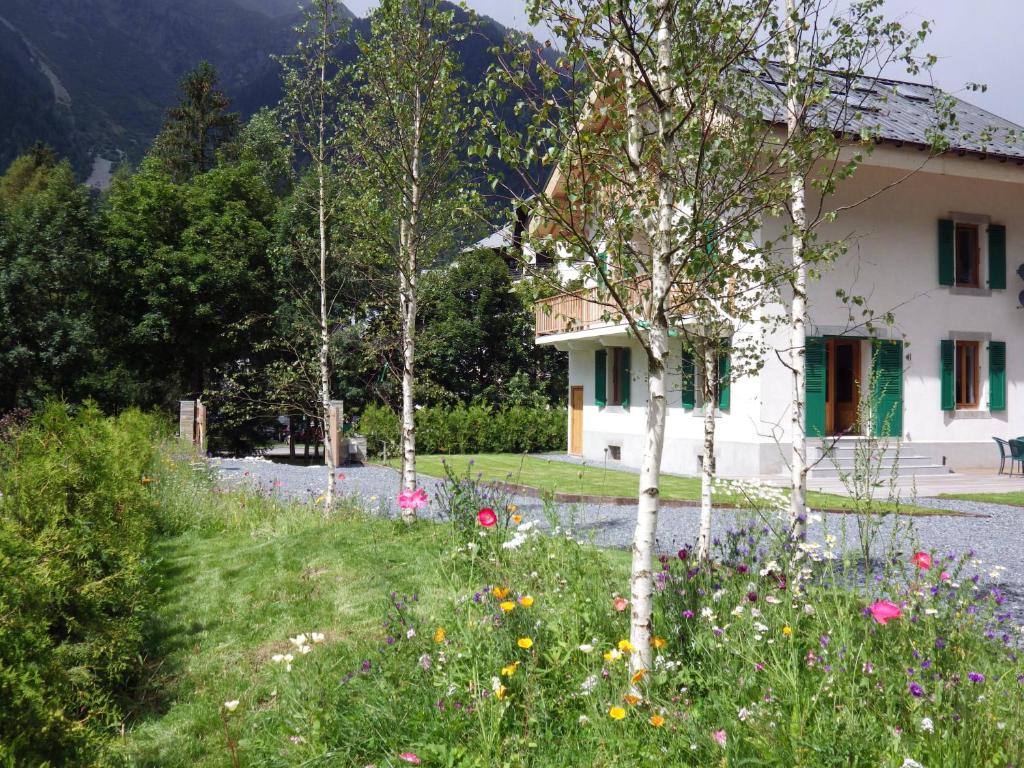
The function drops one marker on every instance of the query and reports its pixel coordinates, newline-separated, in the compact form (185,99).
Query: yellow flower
(500,592)
(439,635)
(787,631)
(638,676)
(613,655)
(517,519)
(525,643)
(500,691)
(508,606)
(660,642)
(657,721)
(625,645)
(509,670)
(616,713)
(511,507)
(526,601)
(631,699)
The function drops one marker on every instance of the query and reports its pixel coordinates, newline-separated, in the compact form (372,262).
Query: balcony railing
(584,310)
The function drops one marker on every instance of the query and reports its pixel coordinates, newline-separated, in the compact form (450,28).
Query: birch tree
(822,63)
(413,126)
(309,115)
(650,135)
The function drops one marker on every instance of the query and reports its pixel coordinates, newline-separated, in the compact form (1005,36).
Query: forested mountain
(94,77)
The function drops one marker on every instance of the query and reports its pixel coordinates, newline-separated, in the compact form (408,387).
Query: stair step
(884,463)
(821,472)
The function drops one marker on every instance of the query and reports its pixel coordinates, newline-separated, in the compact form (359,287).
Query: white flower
(707,613)
(411,633)
(317,637)
(231,706)
(589,684)
(584,719)
(515,542)
(526,527)
(717,595)
(772,599)
(755,612)
(931,612)
(304,649)
(743,714)
(808,608)
(911,763)
(762,628)
(298,641)
(926,725)
(277,658)
(587,648)
(1000,726)
(737,611)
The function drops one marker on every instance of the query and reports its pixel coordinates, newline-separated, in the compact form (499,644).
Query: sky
(975,40)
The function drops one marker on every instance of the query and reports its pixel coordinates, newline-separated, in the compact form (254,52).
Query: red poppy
(487,517)
(922,560)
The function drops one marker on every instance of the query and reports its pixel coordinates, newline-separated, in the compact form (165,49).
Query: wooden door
(576,421)
(844,385)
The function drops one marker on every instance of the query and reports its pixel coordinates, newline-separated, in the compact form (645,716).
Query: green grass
(1010,499)
(559,476)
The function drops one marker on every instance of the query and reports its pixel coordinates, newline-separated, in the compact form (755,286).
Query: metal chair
(1017,454)
(1004,451)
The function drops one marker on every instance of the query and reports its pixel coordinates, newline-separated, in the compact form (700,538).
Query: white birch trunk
(798,314)
(408,273)
(325,374)
(707,469)
(641,571)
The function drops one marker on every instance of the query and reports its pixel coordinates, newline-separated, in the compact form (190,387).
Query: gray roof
(500,239)
(902,112)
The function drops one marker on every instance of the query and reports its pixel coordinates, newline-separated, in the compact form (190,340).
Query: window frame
(976,227)
(961,376)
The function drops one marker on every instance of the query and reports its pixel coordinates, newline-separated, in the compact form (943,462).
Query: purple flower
(915,690)
(1020,679)
(824,640)
(741,569)
(752,597)
(390,640)
(976,677)
(425,661)
(925,664)
(365,665)
(683,554)
(687,614)
(940,643)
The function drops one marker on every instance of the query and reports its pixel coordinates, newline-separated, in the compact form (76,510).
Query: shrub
(76,524)
(469,429)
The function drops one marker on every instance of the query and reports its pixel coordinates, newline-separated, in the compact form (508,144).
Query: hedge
(76,528)
(468,429)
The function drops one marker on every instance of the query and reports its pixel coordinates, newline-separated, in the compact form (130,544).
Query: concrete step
(849,462)
(831,472)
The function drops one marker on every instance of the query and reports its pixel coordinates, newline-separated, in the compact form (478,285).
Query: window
(617,369)
(966,367)
(968,255)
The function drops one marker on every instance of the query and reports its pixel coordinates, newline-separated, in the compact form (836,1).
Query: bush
(469,429)
(76,524)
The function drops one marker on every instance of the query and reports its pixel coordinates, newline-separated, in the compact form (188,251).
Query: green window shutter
(601,378)
(887,372)
(946,252)
(947,374)
(624,374)
(688,388)
(996,256)
(816,368)
(997,376)
(724,369)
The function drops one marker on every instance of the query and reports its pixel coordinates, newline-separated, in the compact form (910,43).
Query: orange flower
(526,601)
(657,721)
(630,699)
(439,635)
(508,606)
(146,480)
(517,519)
(638,676)
(660,642)
(500,592)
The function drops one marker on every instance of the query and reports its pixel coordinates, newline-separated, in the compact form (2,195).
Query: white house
(943,251)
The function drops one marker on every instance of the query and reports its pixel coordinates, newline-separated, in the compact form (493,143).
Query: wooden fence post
(334,432)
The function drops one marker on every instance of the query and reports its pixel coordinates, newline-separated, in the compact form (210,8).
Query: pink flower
(487,517)
(619,604)
(410,757)
(719,736)
(884,610)
(922,560)
(412,499)
(944,576)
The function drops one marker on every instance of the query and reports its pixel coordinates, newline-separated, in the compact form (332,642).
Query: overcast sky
(975,40)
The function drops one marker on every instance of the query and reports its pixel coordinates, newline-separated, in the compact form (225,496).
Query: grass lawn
(1010,499)
(560,476)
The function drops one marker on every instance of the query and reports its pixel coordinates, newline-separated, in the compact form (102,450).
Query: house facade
(942,251)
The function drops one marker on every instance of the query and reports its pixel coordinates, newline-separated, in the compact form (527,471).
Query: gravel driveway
(993,531)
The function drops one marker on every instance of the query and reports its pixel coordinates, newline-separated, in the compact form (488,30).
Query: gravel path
(993,531)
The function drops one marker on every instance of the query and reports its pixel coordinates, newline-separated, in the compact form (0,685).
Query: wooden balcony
(584,310)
